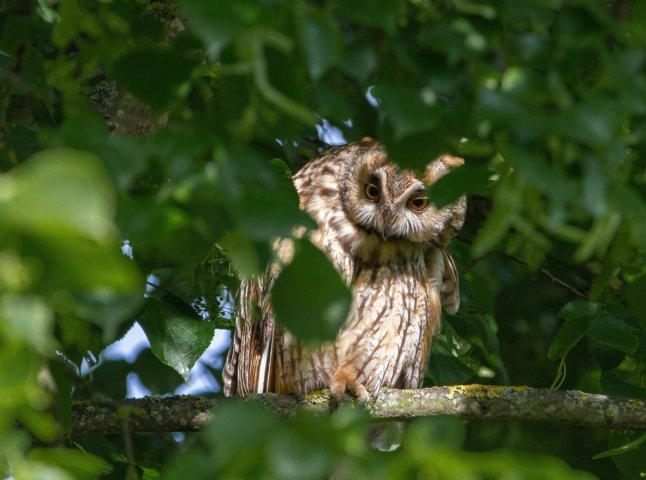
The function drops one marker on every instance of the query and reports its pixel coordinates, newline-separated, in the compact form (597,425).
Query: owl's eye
(417,203)
(372,192)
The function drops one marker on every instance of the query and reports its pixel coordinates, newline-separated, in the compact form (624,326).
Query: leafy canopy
(155,129)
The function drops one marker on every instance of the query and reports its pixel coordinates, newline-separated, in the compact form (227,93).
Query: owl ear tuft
(440,167)
(369,140)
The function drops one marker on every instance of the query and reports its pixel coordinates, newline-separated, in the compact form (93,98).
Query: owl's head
(393,204)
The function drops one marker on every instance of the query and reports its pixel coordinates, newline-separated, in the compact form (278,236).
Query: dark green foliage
(160,123)
(309,297)
(177,335)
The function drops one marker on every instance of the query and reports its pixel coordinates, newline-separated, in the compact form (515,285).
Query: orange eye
(417,204)
(372,192)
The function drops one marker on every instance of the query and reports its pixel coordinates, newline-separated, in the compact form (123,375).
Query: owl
(378,227)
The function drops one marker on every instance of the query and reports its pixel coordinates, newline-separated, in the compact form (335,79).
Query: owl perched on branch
(383,234)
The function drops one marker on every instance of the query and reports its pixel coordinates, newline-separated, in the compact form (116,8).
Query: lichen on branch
(473,402)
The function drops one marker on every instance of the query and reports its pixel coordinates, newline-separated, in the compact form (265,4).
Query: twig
(474,402)
(520,261)
(548,275)
(131,473)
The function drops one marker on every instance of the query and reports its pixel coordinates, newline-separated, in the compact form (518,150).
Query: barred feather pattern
(394,258)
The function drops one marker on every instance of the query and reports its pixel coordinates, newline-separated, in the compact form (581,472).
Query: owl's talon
(342,381)
(337,394)
(361,393)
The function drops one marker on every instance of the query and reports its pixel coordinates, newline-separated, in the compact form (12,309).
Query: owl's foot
(345,379)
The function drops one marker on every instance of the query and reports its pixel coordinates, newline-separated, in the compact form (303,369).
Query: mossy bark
(475,402)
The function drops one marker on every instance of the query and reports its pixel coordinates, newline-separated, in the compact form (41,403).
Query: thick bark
(475,402)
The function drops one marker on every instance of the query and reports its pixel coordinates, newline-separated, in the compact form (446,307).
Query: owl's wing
(249,367)
(251,362)
(450,285)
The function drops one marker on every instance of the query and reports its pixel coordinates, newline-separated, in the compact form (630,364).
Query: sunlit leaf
(57,191)
(80,464)
(178,337)
(102,285)
(27,319)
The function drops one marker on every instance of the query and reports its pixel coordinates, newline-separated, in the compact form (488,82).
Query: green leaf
(293,456)
(442,37)
(28,319)
(436,432)
(410,110)
(59,191)
(637,299)
(96,282)
(359,60)
(476,328)
(153,75)
(507,200)
(60,203)
(80,465)
(615,385)
(310,298)
(468,179)
(447,369)
(579,316)
(217,22)
(321,40)
(613,332)
(63,371)
(109,378)
(157,378)
(177,335)
(242,252)
(266,214)
(196,461)
(628,451)
(607,357)
(239,428)
(375,13)
(625,448)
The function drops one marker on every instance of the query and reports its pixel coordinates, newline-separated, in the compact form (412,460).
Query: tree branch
(474,402)
(525,263)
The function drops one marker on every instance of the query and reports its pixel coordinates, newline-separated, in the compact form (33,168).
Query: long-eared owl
(383,234)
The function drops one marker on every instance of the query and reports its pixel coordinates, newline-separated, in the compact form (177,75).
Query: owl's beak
(387,231)
(386,234)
